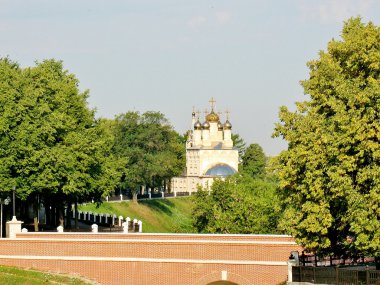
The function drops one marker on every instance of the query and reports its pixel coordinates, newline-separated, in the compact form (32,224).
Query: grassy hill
(158,215)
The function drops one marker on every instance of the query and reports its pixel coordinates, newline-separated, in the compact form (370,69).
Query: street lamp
(3,202)
(14,203)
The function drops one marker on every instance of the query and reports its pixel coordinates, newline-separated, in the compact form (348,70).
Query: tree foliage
(154,150)
(238,205)
(253,161)
(330,173)
(50,143)
(239,143)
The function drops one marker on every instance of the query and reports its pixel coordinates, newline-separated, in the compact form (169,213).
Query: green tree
(153,149)
(329,174)
(50,145)
(239,143)
(253,161)
(237,205)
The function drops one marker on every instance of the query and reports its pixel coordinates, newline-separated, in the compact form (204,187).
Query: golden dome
(197,125)
(220,126)
(206,126)
(227,125)
(212,117)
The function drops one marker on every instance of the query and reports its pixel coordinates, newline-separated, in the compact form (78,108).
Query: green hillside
(158,215)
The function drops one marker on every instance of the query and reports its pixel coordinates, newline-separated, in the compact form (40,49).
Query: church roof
(197,125)
(227,125)
(206,125)
(212,117)
(220,170)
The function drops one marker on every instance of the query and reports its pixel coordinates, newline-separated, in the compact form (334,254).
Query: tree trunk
(76,214)
(61,218)
(35,222)
(68,215)
(134,196)
(315,259)
(47,214)
(377,261)
(36,206)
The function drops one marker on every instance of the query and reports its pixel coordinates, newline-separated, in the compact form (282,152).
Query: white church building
(209,153)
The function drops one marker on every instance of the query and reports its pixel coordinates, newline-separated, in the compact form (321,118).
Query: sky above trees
(171,55)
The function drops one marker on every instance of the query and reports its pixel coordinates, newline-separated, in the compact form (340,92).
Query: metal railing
(336,275)
(154,195)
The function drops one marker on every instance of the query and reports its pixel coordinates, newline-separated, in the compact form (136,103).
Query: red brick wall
(154,258)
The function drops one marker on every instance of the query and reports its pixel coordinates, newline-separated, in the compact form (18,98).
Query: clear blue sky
(172,55)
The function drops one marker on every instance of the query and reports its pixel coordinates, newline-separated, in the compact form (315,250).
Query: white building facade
(209,153)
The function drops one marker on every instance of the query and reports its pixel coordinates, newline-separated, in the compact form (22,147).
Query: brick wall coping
(155,236)
(137,259)
(159,241)
(174,241)
(166,234)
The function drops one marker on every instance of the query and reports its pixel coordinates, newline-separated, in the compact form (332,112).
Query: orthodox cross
(206,112)
(212,103)
(198,114)
(228,114)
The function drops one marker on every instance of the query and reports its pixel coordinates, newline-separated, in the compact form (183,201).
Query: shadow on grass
(162,205)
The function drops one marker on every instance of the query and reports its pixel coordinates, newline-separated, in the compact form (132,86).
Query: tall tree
(239,143)
(50,145)
(330,173)
(253,161)
(153,149)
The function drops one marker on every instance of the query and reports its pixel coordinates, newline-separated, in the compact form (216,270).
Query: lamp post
(3,202)
(14,203)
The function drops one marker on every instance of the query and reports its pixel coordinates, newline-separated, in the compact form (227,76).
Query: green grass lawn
(17,276)
(158,215)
